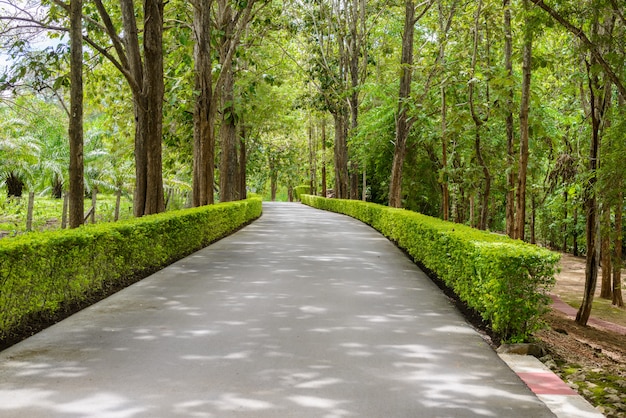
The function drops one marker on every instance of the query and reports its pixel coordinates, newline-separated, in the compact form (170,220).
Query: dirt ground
(590,359)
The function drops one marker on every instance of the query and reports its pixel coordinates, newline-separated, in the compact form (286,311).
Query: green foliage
(506,281)
(40,273)
(299,191)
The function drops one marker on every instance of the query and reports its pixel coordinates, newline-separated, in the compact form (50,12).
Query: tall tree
(520,211)
(205,106)
(404,120)
(229,24)
(143,70)
(510,136)
(76,169)
(479,120)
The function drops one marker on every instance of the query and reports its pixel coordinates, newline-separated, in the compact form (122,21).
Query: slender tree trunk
(472,214)
(76,168)
(94,201)
(520,212)
(617,254)
(205,107)
(118,201)
(606,288)
(341,155)
(403,122)
(354,180)
(324,183)
(312,163)
(510,137)
(364,190)
(484,207)
(66,202)
(243,161)
(273,180)
(565,196)
(445,193)
(575,232)
(533,219)
(591,265)
(478,122)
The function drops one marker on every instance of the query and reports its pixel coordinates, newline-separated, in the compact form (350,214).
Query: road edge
(562,400)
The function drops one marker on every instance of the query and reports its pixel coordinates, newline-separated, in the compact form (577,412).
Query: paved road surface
(301,314)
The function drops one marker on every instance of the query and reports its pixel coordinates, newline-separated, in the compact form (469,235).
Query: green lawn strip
(602,308)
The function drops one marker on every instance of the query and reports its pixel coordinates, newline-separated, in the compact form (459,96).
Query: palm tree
(19,155)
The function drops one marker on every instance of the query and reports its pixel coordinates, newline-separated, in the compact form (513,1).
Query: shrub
(504,280)
(41,272)
(300,191)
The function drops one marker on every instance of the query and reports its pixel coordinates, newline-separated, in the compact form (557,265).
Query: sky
(25,9)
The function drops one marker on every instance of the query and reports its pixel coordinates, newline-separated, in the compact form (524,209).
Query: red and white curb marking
(562,400)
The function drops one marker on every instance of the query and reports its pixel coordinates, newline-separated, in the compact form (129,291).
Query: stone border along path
(303,313)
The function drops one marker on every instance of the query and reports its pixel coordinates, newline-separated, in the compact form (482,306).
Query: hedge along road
(303,313)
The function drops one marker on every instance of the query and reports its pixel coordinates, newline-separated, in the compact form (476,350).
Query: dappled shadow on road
(301,314)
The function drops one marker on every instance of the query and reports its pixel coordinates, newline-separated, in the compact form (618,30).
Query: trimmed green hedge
(300,191)
(41,272)
(505,280)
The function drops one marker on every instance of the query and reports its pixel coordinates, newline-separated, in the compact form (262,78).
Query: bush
(42,272)
(300,191)
(504,280)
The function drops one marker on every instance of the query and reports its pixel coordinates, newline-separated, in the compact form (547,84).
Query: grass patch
(602,309)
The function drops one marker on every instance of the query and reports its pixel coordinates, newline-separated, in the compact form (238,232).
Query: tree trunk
(148,88)
(617,255)
(445,193)
(205,108)
(533,219)
(354,181)
(118,201)
(472,214)
(324,183)
(403,122)
(364,186)
(29,211)
(478,122)
(94,201)
(64,211)
(76,168)
(228,142)
(312,159)
(520,212)
(484,207)
(591,266)
(564,232)
(154,91)
(575,232)
(341,155)
(57,183)
(243,158)
(273,180)
(510,137)
(606,289)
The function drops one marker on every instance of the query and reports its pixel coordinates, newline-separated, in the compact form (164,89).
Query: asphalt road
(303,313)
